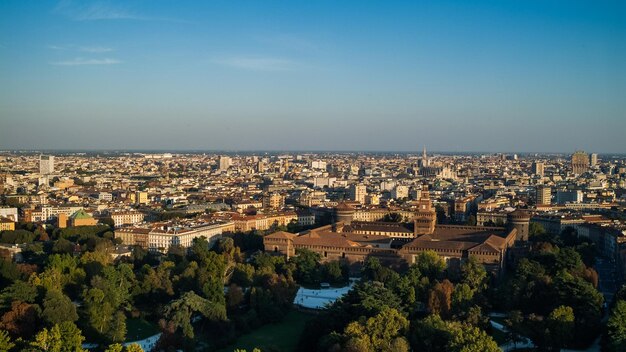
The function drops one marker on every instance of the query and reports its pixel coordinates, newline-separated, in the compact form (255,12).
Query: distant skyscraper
(544,195)
(580,162)
(46,164)
(593,160)
(224,162)
(538,168)
(358,193)
(260,166)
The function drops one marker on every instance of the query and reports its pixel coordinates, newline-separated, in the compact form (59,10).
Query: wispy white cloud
(79,61)
(91,11)
(256,63)
(86,49)
(103,10)
(95,49)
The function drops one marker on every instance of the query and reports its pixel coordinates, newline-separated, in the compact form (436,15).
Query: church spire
(424,161)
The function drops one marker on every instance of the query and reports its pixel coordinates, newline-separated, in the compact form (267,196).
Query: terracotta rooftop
(328,238)
(443,245)
(377,226)
(281,234)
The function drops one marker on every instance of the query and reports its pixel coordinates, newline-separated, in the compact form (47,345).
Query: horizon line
(321,151)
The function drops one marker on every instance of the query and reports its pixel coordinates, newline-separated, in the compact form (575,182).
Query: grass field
(139,329)
(280,337)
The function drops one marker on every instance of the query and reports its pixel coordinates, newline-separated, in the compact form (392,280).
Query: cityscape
(266,176)
(315,225)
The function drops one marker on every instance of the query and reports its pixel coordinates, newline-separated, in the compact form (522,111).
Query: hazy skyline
(527,76)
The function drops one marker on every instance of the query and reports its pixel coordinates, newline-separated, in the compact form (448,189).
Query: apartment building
(261,222)
(47,213)
(127,218)
(160,237)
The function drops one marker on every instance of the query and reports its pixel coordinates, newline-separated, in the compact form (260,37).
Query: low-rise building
(306,218)
(6,224)
(10,213)
(261,222)
(274,201)
(127,218)
(556,223)
(81,218)
(48,213)
(160,237)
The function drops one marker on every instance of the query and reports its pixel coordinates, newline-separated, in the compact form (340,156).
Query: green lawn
(139,329)
(282,336)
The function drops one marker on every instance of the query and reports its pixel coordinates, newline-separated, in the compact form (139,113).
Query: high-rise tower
(358,193)
(224,162)
(580,162)
(46,164)
(544,195)
(593,159)
(538,167)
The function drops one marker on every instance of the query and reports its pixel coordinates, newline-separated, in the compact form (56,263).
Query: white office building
(46,164)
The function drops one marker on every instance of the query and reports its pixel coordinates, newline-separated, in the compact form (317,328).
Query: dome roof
(81,214)
(519,214)
(343,206)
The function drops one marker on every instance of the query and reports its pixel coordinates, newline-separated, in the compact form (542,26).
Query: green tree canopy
(57,308)
(5,341)
(180,311)
(379,332)
(19,290)
(474,274)
(64,337)
(616,328)
(307,265)
(560,325)
(430,264)
(432,334)
(467,338)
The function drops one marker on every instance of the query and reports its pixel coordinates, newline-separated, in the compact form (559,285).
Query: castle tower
(344,213)
(519,220)
(426,218)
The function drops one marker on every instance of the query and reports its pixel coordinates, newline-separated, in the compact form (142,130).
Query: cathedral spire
(424,160)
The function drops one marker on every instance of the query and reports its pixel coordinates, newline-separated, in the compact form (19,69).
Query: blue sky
(313,75)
